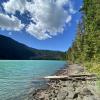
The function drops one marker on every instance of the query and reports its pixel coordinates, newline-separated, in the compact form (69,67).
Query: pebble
(68,90)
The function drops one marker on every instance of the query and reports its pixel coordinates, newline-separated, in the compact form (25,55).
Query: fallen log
(73,77)
(83,75)
(56,77)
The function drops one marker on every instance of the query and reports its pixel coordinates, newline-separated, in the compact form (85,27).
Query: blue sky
(29,34)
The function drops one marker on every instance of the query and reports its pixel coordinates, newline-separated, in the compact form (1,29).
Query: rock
(79,98)
(71,95)
(62,95)
(75,95)
(89,98)
(85,92)
(68,90)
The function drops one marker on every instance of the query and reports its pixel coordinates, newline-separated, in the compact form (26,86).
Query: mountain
(13,50)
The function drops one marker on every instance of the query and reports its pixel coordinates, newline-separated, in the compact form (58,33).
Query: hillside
(86,47)
(13,50)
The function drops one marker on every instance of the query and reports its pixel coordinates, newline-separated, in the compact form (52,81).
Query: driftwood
(83,77)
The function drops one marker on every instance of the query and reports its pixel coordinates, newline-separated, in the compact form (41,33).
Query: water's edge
(47,84)
(25,71)
(68,89)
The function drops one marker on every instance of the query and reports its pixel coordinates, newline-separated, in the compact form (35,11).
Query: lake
(18,77)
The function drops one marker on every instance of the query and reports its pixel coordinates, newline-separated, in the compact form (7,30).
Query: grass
(94,68)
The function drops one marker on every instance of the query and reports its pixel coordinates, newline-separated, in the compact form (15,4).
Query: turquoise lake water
(17,78)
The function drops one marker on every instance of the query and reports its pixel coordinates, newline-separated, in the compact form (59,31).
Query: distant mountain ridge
(13,50)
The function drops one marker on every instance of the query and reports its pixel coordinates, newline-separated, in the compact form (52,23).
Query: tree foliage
(86,47)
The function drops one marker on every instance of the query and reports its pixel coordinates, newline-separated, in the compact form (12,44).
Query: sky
(41,24)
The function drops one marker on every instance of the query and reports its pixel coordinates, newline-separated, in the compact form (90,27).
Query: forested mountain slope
(86,47)
(13,50)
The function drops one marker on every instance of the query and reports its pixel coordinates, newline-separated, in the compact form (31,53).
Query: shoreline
(67,90)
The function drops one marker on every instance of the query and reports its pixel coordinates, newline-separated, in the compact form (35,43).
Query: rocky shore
(68,89)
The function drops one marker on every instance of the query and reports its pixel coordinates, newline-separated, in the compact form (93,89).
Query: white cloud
(49,16)
(12,6)
(71,8)
(62,2)
(37,32)
(10,23)
(69,18)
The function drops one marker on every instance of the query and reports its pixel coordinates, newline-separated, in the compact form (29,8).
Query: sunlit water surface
(17,78)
